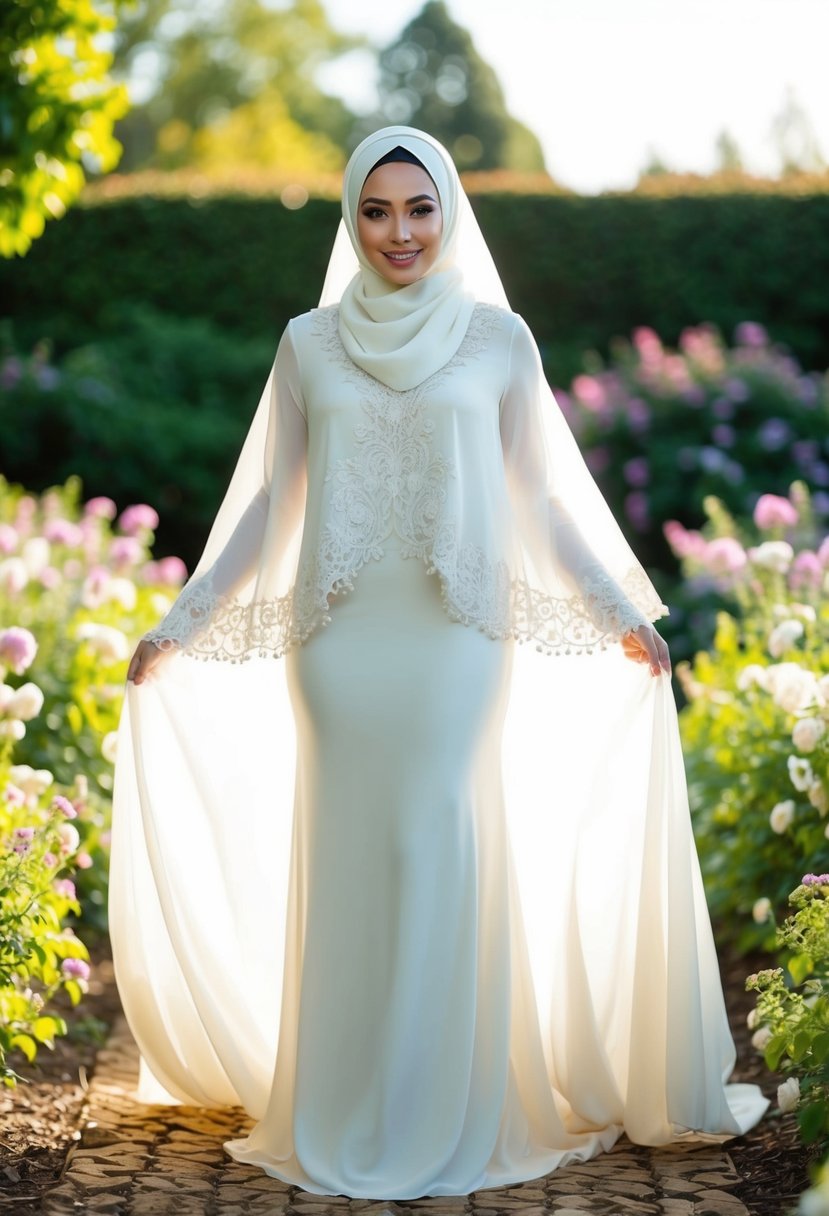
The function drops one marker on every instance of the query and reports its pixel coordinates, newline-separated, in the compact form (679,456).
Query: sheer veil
(602,854)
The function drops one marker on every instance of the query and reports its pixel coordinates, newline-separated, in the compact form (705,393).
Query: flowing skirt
(463,1001)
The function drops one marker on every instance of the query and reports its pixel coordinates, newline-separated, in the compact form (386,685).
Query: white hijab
(402,334)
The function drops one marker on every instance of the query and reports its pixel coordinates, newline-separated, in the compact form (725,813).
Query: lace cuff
(191,613)
(607,606)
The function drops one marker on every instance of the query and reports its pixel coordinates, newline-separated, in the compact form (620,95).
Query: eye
(423,209)
(372,213)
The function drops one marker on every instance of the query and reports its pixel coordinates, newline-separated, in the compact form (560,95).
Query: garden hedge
(580,269)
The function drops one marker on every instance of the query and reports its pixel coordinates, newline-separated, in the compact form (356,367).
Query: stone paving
(138,1160)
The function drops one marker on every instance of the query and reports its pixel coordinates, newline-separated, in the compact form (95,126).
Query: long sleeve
(567,528)
(263,502)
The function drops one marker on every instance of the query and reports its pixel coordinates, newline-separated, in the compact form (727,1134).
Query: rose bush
(754,728)
(663,428)
(79,582)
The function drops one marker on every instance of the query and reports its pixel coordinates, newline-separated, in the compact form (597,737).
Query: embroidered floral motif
(396,483)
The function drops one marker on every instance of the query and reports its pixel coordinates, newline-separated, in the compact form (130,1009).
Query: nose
(401,229)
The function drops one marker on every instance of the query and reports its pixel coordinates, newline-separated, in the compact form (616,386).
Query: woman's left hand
(644,645)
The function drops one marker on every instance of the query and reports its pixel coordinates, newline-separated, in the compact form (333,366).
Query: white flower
(788,1095)
(823,687)
(13,575)
(761,911)
(807,733)
(800,773)
(69,837)
(35,554)
(109,746)
(123,591)
(805,611)
(792,686)
(783,637)
(751,1019)
(781,816)
(761,1038)
(773,555)
(750,675)
(33,781)
(111,644)
(12,728)
(815,1202)
(160,604)
(816,794)
(6,696)
(26,703)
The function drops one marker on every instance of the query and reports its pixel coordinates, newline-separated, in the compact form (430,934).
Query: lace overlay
(395,484)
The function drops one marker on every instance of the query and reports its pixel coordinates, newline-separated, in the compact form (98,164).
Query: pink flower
(62,532)
(18,648)
(14,795)
(9,539)
(101,508)
(59,803)
(638,415)
(75,968)
(49,578)
(637,510)
(749,333)
(65,887)
(647,343)
(49,860)
(772,511)
(138,518)
(806,570)
(589,392)
(126,551)
(172,571)
(637,471)
(814,880)
(683,542)
(22,840)
(83,861)
(725,555)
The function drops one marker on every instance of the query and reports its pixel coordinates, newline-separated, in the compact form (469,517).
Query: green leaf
(812,1119)
(26,1044)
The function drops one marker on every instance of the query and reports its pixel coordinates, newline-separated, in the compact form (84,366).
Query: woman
(420,970)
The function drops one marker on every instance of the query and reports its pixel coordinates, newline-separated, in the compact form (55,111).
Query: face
(399,222)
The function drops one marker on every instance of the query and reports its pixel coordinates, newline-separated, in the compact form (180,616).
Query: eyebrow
(385,202)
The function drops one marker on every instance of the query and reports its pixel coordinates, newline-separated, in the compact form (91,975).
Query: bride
(424,902)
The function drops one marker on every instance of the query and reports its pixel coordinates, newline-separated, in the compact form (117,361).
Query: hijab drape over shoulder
(356,434)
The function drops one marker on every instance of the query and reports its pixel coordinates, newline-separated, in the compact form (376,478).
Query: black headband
(398,154)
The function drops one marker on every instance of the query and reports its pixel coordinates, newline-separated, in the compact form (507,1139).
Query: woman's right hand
(146,656)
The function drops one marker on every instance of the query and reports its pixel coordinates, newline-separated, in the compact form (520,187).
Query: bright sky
(603,83)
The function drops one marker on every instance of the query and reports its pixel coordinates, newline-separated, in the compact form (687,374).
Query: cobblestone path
(136,1160)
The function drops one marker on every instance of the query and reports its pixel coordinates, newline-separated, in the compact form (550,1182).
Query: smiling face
(399,221)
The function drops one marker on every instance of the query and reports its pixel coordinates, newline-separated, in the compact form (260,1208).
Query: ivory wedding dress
(424,902)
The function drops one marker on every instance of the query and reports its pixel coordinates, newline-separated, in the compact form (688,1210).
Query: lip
(396,260)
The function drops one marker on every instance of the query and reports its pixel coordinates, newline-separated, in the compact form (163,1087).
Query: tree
(433,77)
(58,107)
(218,67)
(729,159)
(794,137)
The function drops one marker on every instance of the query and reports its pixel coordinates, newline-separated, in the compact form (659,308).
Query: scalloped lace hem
(209,626)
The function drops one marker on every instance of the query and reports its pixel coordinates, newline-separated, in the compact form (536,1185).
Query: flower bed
(80,587)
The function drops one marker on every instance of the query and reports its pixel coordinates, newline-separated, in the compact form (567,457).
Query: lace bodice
(430,467)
